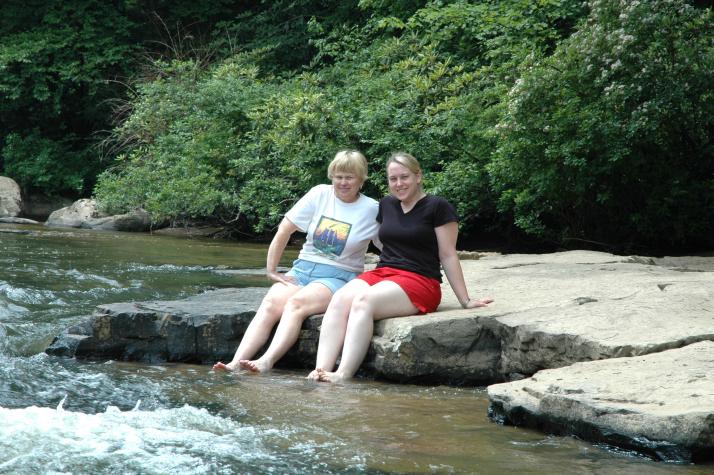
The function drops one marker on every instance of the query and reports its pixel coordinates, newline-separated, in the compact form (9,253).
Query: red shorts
(424,292)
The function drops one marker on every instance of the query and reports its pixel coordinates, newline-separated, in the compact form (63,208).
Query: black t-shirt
(408,239)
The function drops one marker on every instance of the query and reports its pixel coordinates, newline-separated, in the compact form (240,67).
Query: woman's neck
(409,203)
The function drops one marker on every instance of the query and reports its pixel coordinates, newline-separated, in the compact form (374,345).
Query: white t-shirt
(338,233)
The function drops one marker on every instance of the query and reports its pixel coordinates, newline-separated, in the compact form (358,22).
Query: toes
(323,376)
(247,364)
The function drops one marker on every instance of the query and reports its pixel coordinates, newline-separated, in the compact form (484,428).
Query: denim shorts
(332,277)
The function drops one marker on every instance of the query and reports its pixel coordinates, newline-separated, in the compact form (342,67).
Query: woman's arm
(276,248)
(446,236)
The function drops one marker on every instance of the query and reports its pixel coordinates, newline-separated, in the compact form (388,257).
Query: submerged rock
(660,404)
(18,221)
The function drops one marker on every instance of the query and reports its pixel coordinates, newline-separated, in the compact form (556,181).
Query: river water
(59,415)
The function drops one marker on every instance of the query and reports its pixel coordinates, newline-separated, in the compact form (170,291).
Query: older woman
(339,222)
(418,234)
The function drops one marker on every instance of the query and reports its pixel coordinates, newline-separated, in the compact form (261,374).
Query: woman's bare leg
(383,300)
(258,331)
(334,325)
(309,300)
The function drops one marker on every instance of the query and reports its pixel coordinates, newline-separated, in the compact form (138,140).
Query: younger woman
(418,234)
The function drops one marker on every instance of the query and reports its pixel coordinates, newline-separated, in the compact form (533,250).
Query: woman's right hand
(281,278)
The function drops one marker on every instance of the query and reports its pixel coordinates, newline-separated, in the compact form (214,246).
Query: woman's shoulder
(320,191)
(436,199)
(368,200)
(389,199)
(322,187)
(441,208)
(438,202)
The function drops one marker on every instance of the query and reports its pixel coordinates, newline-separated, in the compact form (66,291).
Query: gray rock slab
(660,404)
(198,329)
(649,320)
(18,221)
(553,310)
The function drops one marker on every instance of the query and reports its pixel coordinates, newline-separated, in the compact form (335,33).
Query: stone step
(660,404)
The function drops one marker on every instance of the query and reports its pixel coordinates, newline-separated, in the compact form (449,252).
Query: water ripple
(84,276)
(37,440)
(9,310)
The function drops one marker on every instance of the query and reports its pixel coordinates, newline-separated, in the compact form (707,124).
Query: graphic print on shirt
(330,236)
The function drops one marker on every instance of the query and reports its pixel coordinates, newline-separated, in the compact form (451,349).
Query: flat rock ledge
(551,311)
(200,329)
(661,404)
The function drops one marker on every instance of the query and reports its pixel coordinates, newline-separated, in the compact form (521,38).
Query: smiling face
(403,183)
(346,185)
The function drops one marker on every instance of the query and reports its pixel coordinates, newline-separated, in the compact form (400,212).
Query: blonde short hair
(406,160)
(348,161)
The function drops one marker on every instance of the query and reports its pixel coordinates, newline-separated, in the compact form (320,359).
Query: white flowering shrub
(609,140)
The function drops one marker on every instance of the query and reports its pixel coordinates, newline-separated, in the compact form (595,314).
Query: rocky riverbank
(551,311)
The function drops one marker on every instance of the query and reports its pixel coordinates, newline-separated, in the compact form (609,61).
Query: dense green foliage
(391,83)
(55,60)
(64,67)
(575,124)
(610,138)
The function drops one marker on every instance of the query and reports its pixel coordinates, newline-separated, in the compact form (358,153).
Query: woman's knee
(272,306)
(362,303)
(341,299)
(300,307)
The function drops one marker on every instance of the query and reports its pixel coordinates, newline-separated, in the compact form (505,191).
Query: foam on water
(181,440)
(169,268)
(98,278)
(9,310)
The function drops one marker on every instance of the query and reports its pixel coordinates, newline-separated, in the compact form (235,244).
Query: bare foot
(256,366)
(330,377)
(224,367)
(314,374)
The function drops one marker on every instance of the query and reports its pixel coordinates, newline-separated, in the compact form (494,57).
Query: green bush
(178,141)
(602,135)
(57,63)
(389,85)
(32,161)
(609,140)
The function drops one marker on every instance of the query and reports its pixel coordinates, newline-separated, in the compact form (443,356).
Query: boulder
(136,221)
(660,404)
(75,215)
(201,329)
(10,198)
(84,213)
